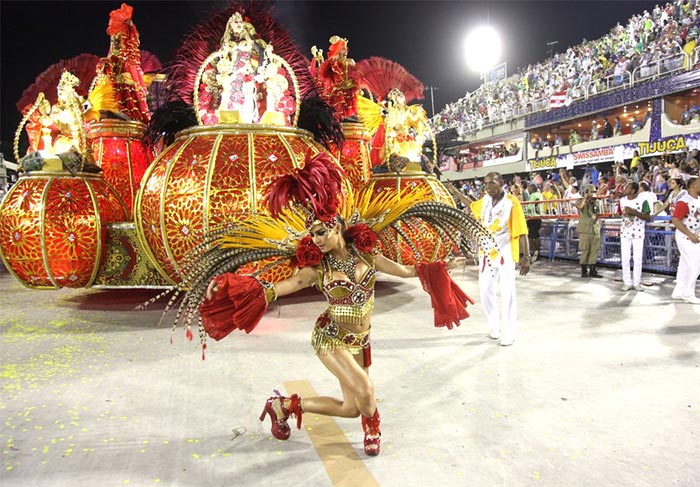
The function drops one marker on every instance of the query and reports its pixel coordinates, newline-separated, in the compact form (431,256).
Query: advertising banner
(618,153)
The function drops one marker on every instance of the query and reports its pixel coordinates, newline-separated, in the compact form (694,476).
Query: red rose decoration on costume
(308,254)
(362,236)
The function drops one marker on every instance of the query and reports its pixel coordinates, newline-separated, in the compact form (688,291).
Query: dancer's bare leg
(357,388)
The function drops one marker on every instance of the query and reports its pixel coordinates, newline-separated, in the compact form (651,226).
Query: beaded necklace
(347,266)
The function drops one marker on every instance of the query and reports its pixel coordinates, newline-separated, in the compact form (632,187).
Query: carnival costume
(336,77)
(297,202)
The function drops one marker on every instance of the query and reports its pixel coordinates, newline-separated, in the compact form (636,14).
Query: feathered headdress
(317,187)
(120,20)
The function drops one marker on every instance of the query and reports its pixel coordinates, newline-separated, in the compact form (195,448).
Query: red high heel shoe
(372,434)
(280,428)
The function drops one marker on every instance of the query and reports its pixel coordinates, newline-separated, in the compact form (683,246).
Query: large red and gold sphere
(52,228)
(211,177)
(424,238)
(118,148)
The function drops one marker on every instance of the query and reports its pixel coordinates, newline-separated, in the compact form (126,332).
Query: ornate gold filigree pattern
(422,235)
(209,178)
(51,228)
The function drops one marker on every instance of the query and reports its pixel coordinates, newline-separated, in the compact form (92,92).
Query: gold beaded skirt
(328,336)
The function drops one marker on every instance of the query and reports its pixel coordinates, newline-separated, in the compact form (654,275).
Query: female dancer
(346,276)
(341,260)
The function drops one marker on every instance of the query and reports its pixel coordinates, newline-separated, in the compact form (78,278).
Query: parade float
(244,94)
(247,102)
(67,222)
(53,221)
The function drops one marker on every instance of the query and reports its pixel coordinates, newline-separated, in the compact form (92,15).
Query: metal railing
(664,66)
(559,240)
(565,209)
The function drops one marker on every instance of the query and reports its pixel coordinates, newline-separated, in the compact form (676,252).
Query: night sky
(425,37)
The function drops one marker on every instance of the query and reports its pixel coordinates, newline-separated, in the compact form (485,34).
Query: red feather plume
(318,183)
(380,75)
(150,62)
(82,66)
(206,38)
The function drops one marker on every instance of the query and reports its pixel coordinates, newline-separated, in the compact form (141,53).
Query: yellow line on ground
(342,463)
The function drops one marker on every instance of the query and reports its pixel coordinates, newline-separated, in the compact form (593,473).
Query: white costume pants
(688,267)
(636,247)
(505,277)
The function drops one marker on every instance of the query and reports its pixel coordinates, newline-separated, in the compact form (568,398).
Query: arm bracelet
(270,292)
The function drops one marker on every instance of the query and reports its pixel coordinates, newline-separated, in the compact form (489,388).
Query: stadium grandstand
(622,107)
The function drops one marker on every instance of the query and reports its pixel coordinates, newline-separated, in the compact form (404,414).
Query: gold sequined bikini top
(348,302)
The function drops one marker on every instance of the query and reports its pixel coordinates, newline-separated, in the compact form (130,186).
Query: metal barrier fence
(564,208)
(559,240)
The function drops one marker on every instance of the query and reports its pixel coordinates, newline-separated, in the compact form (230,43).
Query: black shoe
(594,272)
(584,271)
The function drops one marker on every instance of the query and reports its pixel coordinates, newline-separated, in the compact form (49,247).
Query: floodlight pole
(432,100)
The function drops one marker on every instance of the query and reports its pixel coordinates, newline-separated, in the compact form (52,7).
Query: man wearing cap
(588,232)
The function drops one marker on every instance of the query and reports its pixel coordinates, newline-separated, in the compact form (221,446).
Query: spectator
(644,42)
(617,128)
(534,222)
(635,126)
(676,191)
(635,162)
(557,144)
(607,129)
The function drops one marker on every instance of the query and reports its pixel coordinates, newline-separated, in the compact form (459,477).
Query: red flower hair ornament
(308,254)
(362,236)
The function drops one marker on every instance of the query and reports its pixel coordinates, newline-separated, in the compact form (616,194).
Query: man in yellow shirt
(502,214)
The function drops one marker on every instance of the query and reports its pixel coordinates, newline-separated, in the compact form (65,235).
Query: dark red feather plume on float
(150,62)
(319,183)
(380,75)
(82,66)
(206,38)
